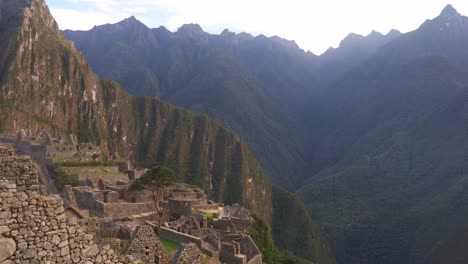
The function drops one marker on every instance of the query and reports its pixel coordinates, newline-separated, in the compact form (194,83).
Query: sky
(314,25)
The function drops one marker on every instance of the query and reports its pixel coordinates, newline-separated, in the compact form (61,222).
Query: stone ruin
(36,228)
(218,231)
(102,221)
(45,146)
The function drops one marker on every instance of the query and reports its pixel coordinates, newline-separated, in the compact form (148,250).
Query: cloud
(81,20)
(315,25)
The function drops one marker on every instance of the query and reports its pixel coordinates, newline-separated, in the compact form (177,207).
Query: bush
(159,176)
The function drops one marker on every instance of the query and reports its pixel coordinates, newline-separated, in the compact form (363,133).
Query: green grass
(208,215)
(96,173)
(86,163)
(169,245)
(73,158)
(62,178)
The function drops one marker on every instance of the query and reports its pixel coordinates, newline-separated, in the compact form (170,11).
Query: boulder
(7,248)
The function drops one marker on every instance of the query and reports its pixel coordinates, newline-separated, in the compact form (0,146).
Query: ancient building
(101,219)
(34,228)
(39,229)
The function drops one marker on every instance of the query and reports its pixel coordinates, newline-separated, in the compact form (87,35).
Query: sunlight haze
(314,25)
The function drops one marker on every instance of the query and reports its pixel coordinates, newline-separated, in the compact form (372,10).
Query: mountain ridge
(399,152)
(72,98)
(382,134)
(49,85)
(163,66)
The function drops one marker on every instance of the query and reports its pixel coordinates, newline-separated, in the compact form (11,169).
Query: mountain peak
(191,30)
(449,11)
(131,21)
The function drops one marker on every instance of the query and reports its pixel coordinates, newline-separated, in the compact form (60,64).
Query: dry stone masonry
(33,227)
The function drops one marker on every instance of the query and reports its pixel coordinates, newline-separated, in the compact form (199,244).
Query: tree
(156,180)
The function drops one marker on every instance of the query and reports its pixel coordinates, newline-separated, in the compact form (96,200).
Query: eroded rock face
(7,248)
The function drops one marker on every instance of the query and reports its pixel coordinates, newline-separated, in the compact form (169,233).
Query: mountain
(269,83)
(46,83)
(257,86)
(371,134)
(395,144)
(295,231)
(352,51)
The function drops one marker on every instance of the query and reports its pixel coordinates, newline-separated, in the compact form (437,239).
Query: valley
(371,135)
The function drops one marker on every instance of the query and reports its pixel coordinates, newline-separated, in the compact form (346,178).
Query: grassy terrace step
(70,158)
(169,245)
(75,163)
(93,170)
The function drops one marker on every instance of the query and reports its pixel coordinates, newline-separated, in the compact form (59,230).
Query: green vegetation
(91,163)
(62,178)
(241,86)
(156,177)
(70,98)
(379,152)
(261,234)
(294,229)
(70,158)
(208,215)
(169,246)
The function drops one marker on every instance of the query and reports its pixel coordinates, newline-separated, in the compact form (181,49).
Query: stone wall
(230,253)
(24,146)
(88,199)
(184,195)
(39,152)
(256,260)
(248,248)
(127,209)
(189,254)
(137,196)
(180,208)
(178,237)
(94,178)
(225,225)
(145,245)
(33,228)
(206,207)
(85,200)
(241,224)
(61,150)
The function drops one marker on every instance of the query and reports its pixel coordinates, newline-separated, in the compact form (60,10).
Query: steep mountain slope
(294,229)
(396,182)
(383,143)
(257,86)
(46,83)
(269,83)
(353,50)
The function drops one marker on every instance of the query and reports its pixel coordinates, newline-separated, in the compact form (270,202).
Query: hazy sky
(314,25)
